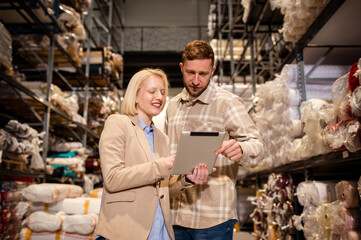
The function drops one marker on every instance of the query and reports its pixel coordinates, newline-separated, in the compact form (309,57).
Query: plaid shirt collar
(205,97)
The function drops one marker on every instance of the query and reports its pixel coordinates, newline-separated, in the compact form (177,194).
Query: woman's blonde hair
(128,105)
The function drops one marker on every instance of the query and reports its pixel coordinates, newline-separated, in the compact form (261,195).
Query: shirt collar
(205,97)
(145,127)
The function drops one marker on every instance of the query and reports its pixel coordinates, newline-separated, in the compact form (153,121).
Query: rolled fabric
(323,192)
(335,236)
(303,191)
(296,128)
(347,193)
(351,235)
(80,223)
(344,219)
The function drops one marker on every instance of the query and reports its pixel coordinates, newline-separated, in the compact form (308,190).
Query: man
(208,211)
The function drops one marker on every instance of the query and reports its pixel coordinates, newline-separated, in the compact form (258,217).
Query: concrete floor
(242,236)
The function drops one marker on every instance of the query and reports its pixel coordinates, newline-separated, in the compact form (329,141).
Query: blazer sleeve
(117,175)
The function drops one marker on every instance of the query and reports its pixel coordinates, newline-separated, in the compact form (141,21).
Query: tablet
(195,148)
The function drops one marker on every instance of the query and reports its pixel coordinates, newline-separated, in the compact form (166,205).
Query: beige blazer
(132,180)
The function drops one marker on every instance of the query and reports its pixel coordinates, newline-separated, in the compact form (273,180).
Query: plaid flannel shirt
(215,110)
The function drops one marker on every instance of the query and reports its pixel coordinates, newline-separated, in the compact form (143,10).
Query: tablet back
(195,148)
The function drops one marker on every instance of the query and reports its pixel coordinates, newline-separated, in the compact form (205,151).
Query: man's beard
(198,93)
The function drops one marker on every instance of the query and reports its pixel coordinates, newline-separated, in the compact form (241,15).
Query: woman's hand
(169,161)
(199,174)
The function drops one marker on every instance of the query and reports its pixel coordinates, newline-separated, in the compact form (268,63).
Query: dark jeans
(223,231)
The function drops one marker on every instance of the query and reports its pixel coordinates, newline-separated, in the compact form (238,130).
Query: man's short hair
(198,49)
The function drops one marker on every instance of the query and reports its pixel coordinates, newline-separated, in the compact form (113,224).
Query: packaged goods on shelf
(76,164)
(53,207)
(80,223)
(19,141)
(81,205)
(298,16)
(26,234)
(13,207)
(272,216)
(96,193)
(59,145)
(51,192)
(38,44)
(331,209)
(6,50)
(71,21)
(44,222)
(41,221)
(288,129)
(344,133)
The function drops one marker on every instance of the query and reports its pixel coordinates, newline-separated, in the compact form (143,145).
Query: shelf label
(345,154)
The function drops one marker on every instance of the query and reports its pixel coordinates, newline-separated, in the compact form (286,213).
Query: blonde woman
(136,165)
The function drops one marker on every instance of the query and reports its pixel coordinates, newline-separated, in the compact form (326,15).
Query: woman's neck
(146,119)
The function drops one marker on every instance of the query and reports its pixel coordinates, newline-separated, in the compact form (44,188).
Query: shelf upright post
(49,80)
(220,40)
(110,23)
(87,70)
(301,74)
(230,38)
(251,63)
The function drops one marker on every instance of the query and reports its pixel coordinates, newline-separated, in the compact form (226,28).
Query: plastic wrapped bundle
(51,192)
(80,223)
(355,102)
(303,191)
(44,222)
(347,193)
(48,207)
(316,193)
(351,235)
(27,234)
(96,193)
(323,192)
(344,219)
(342,135)
(81,205)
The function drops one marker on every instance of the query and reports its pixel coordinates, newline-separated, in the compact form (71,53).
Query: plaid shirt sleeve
(240,127)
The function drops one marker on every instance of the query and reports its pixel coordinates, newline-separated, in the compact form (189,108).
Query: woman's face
(150,97)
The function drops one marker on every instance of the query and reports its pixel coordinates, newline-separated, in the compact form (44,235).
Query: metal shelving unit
(34,18)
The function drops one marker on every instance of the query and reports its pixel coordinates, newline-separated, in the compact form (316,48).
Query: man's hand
(199,174)
(231,150)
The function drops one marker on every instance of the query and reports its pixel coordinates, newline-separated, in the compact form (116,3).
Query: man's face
(196,75)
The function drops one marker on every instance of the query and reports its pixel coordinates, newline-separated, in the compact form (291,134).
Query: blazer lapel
(142,138)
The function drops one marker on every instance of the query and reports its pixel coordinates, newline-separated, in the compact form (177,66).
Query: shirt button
(162,196)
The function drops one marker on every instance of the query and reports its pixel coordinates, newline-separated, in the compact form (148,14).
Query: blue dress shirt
(158,231)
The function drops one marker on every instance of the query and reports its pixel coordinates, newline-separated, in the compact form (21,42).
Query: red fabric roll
(351,235)
(348,219)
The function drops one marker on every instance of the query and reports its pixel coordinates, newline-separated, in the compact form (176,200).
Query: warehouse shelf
(47,65)
(39,103)
(334,165)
